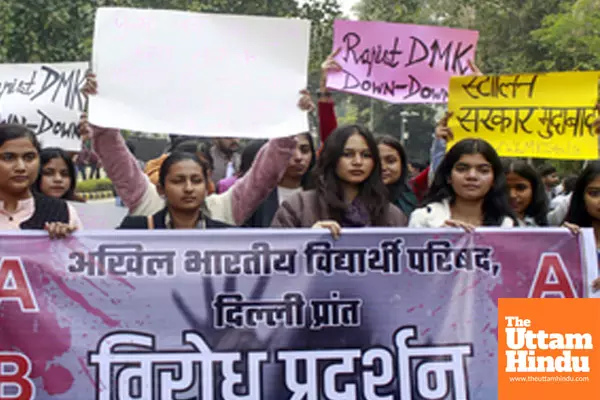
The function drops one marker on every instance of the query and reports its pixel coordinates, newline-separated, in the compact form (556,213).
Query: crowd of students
(350,178)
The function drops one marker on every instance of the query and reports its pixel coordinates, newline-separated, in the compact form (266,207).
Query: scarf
(356,216)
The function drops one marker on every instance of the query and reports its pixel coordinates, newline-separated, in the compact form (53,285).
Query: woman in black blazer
(182,181)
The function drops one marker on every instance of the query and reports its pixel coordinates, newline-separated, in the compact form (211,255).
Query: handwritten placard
(400,63)
(530,115)
(199,74)
(46,98)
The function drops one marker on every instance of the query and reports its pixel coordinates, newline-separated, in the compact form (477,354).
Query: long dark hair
(372,192)
(306,178)
(495,203)
(578,213)
(400,188)
(48,154)
(538,207)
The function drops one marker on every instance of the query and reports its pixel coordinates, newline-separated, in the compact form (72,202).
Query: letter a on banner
(552,278)
(15,286)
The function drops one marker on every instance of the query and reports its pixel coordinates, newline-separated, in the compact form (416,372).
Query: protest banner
(400,63)
(103,214)
(254,314)
(547,115)
(46,98)
(199,74)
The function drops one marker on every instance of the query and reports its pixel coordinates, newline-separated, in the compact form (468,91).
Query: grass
(94,185)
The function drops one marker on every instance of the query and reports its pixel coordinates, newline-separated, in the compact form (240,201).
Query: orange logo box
(548,349)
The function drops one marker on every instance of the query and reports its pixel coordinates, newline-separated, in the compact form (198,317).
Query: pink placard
(400,63)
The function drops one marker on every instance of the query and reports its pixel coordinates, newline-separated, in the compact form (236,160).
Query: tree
(60,31)
(571,37)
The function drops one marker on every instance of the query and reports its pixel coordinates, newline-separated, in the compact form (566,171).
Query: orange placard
(548,349)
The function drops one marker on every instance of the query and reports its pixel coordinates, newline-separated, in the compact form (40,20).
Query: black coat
(141,222)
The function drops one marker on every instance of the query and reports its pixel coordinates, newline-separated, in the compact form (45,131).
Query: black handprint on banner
(224,339)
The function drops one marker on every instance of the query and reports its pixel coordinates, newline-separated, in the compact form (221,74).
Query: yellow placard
(547,115)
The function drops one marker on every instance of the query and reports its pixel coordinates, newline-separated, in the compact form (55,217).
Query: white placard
(199,74)
(46,98)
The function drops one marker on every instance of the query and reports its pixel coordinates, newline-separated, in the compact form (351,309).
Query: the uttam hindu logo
(526,346)
(547,348)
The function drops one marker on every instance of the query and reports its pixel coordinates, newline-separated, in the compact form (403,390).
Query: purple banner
(256,314)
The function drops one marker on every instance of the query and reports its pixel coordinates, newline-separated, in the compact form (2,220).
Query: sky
(347,5)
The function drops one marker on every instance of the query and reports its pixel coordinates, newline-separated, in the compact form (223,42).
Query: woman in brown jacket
(349,190)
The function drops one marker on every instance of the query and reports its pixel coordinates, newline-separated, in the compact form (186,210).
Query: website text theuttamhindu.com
(549,379)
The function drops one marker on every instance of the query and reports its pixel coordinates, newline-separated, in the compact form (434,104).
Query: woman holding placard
(232,207)
(403,193)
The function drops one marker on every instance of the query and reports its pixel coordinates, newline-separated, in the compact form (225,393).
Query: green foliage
(62,31)
(94,185)
(571,38)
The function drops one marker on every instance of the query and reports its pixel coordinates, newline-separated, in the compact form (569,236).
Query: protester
(247,157)
(232,207)
(349,190)
(185,144)
(20,207)
(584,210)
(294,180)
(182,182)
(394,173)
(87,157)
(526,193)
(567,187)
(57,176)
(415,168)
(328,119)
(551,180)
(226,159)
(468,190)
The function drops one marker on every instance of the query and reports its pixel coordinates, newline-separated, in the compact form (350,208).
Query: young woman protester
(468,190)
(584,210)
(182,182)
(295,179)
(524,187)
(349,190)
(328,123)
(20,207)
(58,177)
(527,193)
(233,207)
(394,173)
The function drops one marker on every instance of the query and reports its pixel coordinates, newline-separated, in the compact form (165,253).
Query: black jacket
(47,209)
(140,222)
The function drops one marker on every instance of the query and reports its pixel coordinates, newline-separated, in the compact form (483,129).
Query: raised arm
(438,148)
(262,178)
(120,165)
(326,105)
